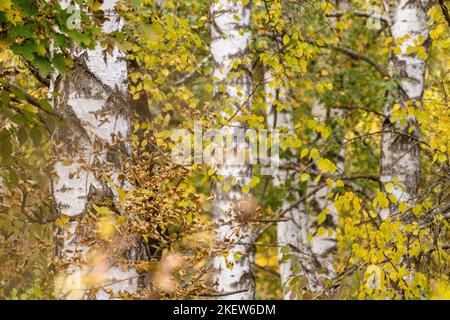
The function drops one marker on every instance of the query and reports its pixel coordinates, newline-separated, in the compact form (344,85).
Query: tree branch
(361,108)
(35,73)
(444,10)
(359,13)
(354,54)
(268,270)
(30,99)
(221,294)
(360,56)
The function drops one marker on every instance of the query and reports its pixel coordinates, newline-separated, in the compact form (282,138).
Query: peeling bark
(400,151)
(324,247)
(230,40)
(289,236)
(93,100)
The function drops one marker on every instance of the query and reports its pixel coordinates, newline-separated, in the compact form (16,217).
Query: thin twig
(30,99)
(359,13)
(221,294)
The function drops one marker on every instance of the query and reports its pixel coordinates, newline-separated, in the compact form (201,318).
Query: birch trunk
(317,255)
(324,247)
(93,101)
(230,39)
(289,236)
(400,155)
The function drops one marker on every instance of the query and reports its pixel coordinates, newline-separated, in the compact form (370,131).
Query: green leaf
(59,63)
(36,135)
(45,105)
(5,99)
(5,144)
(43,65)
(22,135)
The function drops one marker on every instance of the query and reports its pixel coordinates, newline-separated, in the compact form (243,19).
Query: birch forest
(224,149)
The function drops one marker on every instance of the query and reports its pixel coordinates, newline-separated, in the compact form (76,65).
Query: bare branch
(268,270)
(30,99)
(359,13)
(361,108)
(444,10)
(221,294)
(354,54)
(360,56)
(35,73)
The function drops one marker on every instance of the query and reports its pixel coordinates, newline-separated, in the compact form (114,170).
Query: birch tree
(322,248)
(93,101)
(400,151)
(230,44)
(289,235)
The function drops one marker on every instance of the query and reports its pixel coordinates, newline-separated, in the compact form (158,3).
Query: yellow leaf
(427,204)
(314,154)
(393,198)
(304,153)
(441,158)
(434,34)
(323,216)
(381,200)
(121,219)
(304,177)
(254,181)
(409,50)
(122,194)
(417,210)
(321,231)
(326,165)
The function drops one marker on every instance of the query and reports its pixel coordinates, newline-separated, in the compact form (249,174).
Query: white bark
(313,258)
(316,255)
(289,235)
(230,40)
(92,102)
(400,154)
(319,252)
(323,247)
